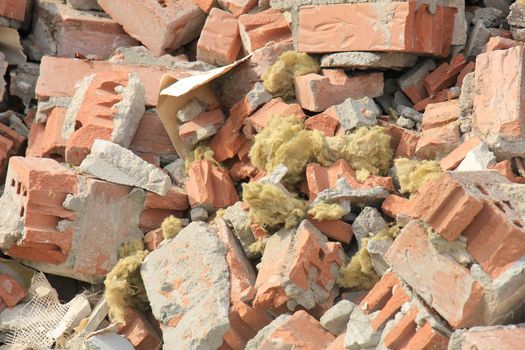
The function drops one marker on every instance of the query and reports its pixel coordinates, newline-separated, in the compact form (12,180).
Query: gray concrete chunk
(187,283)
(336,318)
(356,113)
(111,162)
(359,332)
(368,60)
(191,111)
(368,224)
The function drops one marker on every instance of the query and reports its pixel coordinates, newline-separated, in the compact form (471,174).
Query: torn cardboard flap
(176,94)
(11,47)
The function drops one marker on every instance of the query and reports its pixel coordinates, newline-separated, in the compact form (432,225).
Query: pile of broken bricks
(234,174)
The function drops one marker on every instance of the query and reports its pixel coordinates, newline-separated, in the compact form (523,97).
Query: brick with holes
(63,223)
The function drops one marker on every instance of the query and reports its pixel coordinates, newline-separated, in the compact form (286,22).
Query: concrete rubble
(263,175)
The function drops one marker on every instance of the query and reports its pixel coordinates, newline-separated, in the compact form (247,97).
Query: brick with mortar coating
(259,28)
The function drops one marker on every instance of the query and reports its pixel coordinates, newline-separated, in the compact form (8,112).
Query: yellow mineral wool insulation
(271,205)
(324,211)
(171,226)
(124,286)
(257,247)
(201,152)
(390,232)
(279,80)
(130,248)
(412,174)
(359,273)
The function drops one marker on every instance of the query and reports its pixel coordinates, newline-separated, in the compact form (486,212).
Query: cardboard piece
(176,94)
(11,47)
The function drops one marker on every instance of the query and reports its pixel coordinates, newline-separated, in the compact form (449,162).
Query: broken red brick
(452,160)
(243,169)
(403,141)
(437,142)
(323,122)
(275,108)
(321,178)
(337,230)
(151,138)
(441,96)
(11,292)
(412,29)
(162,26)
(497,337)
(45,139)
(59,76)
(152,239)
(440,114)
(259,28)
(238,7)
(220,42)
(157,208)
(317,93)
(141,334)
(500,43)
(205,124)
(444,75)
(394,205)
(466,70)
(14,9)
(505,168)
(209,186)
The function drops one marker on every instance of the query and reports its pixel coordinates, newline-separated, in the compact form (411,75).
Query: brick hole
(13,183)
(500,206)
(18,187)
(22,211)
(25,193)
(508,204)
(321,254)
(482,189)
(78,125)
(162,3)
(517,223)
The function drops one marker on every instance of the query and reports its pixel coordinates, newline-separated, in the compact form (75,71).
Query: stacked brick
(357,181)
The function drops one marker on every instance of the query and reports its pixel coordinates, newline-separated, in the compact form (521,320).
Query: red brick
(408,30)
(243,169)
(403,141)
(205,5)
(321,178)
(259,28)
(238,7)
(59,76)
(500,43)
(152,239)
(437,142)
(170,24)
(191,131)
(210,186)
(394,205)
(337,230)
(440,114)
(14,9)
(467,69)
(245,321)
(498,337)
(220,42)
(399,336)
(323,122)
(45,139)
(499,92)
(151,137)
(444,75)
(11,292)
(317,92)
(441,96)
(274,108)
(139,331)
(157,208)
(505,168)
(455,295)
(452,160)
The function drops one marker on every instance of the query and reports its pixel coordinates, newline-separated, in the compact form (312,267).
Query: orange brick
(259,28)
(205,124)
(437,142)
(152,239)
(452,160)
(500,43)
(505,168)
(400,335)
(11,292)
(139,331)
(46,140)
(411,29)
(238,7)
(151,137)
(467,69)
(321,178)
(14,9)
(394,205)
(444,75)
(275,108)
(335,229)
(220,42)
(323,122)
(210,186)
(440,114)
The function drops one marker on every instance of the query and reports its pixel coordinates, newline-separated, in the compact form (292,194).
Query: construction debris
(263,175)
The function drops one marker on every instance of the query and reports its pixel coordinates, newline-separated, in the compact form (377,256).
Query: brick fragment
(440,114)
(505,168)
(500,43)
(151,138)
(323,122)
(11,292)
(202,127)
(107,106)
(60,30)
(169,24)
(14,9)
(496,72)
(238,7)
(259,28)
(437,142)
(317,92)
(412,81)
(289,260)
(299,330)
(157,207)
(321,178)
(45,139)
(140,333)
(220,42)
(492,337)
(411,29)
(59,76)
(335,229)
(403,141)
(444,75)
(274,108)
(394,205)
(152,239)
(466,70)
(209,186)
(452,160)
